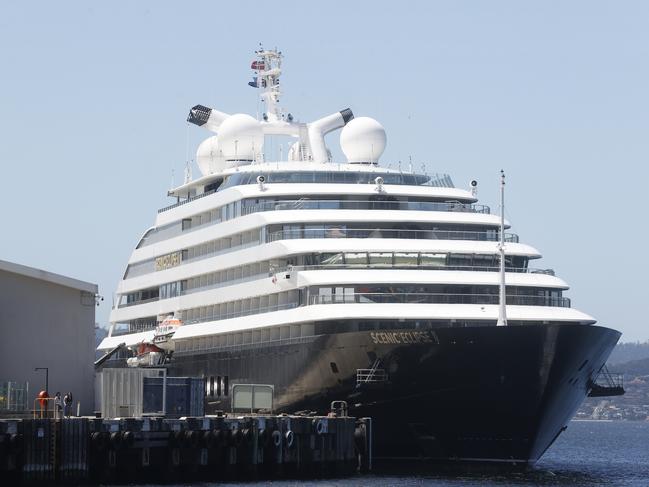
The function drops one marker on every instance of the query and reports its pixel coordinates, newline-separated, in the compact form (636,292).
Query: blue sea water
(588,453)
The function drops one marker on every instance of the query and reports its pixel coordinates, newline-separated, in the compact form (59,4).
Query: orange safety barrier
(46,405)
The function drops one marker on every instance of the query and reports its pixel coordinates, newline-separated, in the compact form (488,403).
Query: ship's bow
(483,394)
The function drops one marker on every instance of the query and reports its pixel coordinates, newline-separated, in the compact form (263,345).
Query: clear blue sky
(94,95)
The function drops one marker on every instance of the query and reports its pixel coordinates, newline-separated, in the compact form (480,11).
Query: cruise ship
(375,284)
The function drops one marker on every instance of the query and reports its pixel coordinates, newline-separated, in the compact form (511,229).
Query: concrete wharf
(155,449)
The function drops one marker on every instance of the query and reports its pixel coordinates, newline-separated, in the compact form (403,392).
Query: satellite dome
(363,140)
(241,138)
(208,157)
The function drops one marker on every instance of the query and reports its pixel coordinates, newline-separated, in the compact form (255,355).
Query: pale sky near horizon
(94,96)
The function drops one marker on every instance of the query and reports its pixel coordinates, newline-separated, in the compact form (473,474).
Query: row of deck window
(277,203)
(397,293)
(270,233)
(259,335)
(268,335)
(334,260)
(203,250)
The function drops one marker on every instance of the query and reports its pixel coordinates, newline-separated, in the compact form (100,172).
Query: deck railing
(339,231)
(437,298)
(308,204)
(187,200)
(414,266)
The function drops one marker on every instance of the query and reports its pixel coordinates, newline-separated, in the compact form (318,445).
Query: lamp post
(47,377)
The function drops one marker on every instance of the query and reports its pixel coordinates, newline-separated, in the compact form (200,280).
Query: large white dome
(241,138)
(208,157)
(363,140)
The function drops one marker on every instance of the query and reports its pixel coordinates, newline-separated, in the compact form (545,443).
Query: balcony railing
(333,231)
(308,204)
(438,298)
(243,312)
(413,266)
(142,301)
(185,201)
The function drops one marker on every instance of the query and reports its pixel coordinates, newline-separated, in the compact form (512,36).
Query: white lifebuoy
(290,437)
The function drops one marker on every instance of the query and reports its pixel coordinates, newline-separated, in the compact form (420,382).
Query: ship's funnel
(206,117)
(318,129)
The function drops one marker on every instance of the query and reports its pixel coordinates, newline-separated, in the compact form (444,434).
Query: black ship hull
(478,394)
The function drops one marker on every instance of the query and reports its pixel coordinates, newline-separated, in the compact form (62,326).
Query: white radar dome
(363,140)
(208,157)
(241,138)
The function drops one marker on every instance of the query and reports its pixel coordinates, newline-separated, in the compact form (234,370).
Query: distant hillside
(100,334)
(633,368)
(627,352)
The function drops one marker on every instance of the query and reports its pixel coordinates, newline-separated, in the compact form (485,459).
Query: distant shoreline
(598,420)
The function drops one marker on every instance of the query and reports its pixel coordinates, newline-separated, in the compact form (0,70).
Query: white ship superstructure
(256,250)
(321,277)
(284,253)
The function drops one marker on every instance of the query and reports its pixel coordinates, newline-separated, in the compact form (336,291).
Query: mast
(268,67)
(502,304)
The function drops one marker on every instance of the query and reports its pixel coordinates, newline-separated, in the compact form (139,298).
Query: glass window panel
(314,231)
(274,333)
(336,231)
(437,260)
(463,260)
(332,259)
(265,334)
(380,258)
(404,258)
(308,329)
(356,258)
